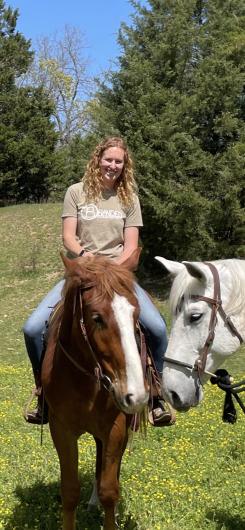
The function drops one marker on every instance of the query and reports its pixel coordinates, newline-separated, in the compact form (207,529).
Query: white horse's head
(182,383)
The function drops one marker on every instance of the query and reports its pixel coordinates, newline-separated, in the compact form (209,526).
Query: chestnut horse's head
(109,310)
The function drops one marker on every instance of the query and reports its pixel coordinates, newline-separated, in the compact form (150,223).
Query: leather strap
(216,304)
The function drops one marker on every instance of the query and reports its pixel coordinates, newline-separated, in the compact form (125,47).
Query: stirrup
(38,416)
(162,415)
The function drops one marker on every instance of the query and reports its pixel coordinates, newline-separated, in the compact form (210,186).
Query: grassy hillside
(186,477)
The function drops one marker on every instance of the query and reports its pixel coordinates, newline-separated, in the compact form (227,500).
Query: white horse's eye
(195,317)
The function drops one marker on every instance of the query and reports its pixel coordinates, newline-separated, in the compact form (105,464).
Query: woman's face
(111,165)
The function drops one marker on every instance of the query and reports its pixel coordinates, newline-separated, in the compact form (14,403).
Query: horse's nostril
(128,399)
(175,399)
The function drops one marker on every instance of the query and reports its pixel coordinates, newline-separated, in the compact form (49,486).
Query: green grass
(186,477)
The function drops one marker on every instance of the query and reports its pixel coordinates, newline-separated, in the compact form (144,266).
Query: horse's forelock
(111,279)
(108,277)
(182,286)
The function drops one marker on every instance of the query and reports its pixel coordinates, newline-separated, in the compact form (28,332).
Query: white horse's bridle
(216,304)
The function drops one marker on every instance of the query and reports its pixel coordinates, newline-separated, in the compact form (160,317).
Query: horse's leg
(94,499)
(108,482)
(66,446)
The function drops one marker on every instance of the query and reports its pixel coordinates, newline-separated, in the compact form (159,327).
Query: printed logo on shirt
(90,211)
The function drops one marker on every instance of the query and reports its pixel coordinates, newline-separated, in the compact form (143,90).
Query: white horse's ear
(174,267)
(197,270)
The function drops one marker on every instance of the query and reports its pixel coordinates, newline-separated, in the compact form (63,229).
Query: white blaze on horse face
(137,395)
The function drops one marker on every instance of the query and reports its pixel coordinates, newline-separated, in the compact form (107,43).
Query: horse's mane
(184,284)
(108,277)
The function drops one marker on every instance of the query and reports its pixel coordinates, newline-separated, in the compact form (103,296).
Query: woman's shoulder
(135,196)
(77,187)
(135,202)
(75,191)
(74,196)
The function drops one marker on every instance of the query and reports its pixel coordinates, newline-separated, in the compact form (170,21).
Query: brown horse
(92,376)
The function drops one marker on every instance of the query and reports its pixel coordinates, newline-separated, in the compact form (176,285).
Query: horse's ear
(71,265)
(197,270)
(131,263)
(173,267)
(67,261)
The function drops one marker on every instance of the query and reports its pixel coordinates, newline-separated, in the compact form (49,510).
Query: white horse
(207,302)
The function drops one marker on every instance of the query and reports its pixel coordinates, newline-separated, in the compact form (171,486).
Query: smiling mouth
(111,174)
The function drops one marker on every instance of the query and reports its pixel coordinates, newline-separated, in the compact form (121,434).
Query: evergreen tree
(27,136)
(178,98)
(71,162)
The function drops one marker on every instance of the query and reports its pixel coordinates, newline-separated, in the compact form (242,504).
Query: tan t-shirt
(100,226)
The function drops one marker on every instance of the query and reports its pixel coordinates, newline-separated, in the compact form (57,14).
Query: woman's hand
(69,235)
(87,254)
(131,239)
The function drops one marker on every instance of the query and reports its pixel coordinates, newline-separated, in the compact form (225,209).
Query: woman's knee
(156,324)
(160,326)
(33,327)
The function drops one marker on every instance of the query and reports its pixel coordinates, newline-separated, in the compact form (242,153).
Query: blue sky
(99,20)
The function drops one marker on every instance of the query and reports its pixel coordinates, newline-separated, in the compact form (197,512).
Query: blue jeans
(154,327)
(150,319)
(35,326)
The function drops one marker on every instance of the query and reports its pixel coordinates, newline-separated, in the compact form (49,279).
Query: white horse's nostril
(178,403)
(175,400)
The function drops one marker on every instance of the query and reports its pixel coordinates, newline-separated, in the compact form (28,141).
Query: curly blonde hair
(93,182)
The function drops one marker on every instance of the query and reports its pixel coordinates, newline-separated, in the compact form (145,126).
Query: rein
(216,304)
(224,381)
(98,375)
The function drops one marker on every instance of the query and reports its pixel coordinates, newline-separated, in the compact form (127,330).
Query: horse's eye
(98,320)
(195,317)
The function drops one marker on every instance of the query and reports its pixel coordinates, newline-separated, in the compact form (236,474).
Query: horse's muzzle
(130,403)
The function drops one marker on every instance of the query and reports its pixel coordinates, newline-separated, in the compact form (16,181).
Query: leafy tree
(60,67)
(27,136)
(178,98)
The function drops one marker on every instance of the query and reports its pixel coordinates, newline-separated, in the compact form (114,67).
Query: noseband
(216,304)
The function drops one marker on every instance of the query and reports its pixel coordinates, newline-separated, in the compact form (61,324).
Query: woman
(101,215)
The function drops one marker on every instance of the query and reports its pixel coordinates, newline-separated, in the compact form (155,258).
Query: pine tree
(27,137)
(178,98)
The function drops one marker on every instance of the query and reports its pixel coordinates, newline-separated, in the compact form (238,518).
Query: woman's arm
(131,240)
(69,230)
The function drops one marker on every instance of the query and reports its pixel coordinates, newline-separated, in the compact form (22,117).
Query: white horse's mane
(184,285)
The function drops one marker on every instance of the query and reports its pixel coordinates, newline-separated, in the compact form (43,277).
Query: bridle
(97,373)
(216,305)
